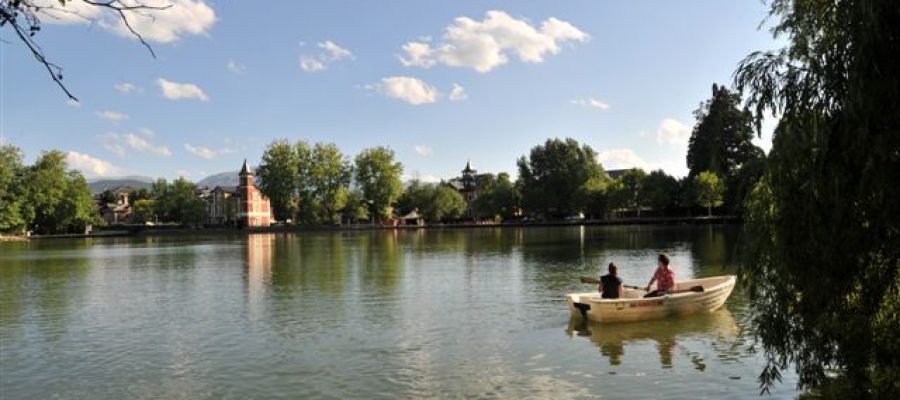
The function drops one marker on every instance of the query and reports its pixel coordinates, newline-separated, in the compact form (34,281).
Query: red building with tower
(255,210)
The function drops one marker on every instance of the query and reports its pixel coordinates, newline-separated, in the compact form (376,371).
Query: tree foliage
(277,174)
(709,190)
(823,260)
(178,202)
(496,197)
(554,173)
(721,139)
(329,175)
(660,191)
(378,177)
(13,196)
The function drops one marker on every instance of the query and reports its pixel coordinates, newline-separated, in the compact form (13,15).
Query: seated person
(664,278)
(610,284)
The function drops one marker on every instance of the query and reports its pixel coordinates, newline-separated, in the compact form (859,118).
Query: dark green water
(474,313)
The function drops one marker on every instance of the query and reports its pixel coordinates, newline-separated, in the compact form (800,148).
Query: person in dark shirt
(610,284)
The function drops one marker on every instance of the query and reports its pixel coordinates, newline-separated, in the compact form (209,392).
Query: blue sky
(438,82)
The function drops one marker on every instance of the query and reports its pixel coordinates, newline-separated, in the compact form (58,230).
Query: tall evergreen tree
(721,140)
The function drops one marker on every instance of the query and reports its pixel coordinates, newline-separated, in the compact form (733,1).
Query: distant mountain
(221,179)
(137,182)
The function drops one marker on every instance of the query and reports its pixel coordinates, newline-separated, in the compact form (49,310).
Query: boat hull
(633,307)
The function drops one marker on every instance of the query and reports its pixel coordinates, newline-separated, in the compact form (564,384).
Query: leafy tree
(378,177)
(710,190)
(12,189)
(307,207)
(445,204)
(721,140)
(553,173)
(330,176)
(632,189)
(497,197)
(140,194)
(178,202)
(355,208)
(278,178)
(739,185)
(416,196)
(822,261)
(143,210)
(107,196)
(47,189)
(660,191)
(76,210)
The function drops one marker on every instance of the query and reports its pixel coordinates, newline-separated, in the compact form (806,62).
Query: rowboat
(688,297)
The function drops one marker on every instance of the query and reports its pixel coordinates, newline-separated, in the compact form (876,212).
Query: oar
(588,279)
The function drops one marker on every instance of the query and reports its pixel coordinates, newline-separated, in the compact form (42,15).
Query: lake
(455,313)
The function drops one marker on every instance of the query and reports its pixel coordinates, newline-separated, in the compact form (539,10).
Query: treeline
(312,184)
(46,197)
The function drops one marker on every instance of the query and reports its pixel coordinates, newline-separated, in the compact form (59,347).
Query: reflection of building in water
(259,263)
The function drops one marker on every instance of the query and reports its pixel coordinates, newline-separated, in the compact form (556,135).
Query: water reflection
(612,339)
(260,248)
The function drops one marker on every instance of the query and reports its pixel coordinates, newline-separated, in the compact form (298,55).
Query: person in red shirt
(664,278)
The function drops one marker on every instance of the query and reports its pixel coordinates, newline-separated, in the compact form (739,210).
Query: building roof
(226,189)
(616,173)
(244,169)
(468,169)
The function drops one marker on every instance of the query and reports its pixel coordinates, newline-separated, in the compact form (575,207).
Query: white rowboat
(632,306)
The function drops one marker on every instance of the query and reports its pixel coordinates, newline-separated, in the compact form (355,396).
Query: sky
(440,83)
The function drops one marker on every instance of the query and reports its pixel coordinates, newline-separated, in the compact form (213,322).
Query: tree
(12,189)
(721,139)
(445,204)
(378,177)
(709,190)
(307,207)
(278,178)
(416,196)
(497,197)
(355,208)
(822,261)
(660,191)
(143,210)
(553,174)
(24,18)
(47,188)
(178,202)
(330,176)
(76,209)
(632,189)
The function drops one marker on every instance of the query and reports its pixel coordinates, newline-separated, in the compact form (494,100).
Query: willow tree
(823,265)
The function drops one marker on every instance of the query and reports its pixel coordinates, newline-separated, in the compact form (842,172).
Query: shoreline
(142,230)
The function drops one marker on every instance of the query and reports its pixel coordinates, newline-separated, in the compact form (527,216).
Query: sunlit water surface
(464,313)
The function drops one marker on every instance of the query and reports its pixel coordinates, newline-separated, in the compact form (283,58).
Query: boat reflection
(612,339)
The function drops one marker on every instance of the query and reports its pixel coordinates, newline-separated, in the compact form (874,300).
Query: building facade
(254,210)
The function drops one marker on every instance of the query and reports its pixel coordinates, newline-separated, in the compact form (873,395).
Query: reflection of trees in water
(44,278)
(612,339)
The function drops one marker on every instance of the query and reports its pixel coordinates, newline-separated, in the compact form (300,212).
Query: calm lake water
(466,313)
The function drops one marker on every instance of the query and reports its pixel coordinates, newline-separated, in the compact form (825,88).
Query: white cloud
(673,131)
(458,93)
(591,102)
(205,152)
(423,150)
(119,144)
(621,159)
(235,66)
(486,44)
(126,87)
(335,52)
(331,53)
(174,90)
(310,64)
(168,25)
(73,103)
(112,116)
(183,173)
(182,17)
(90,166)
(408,89)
